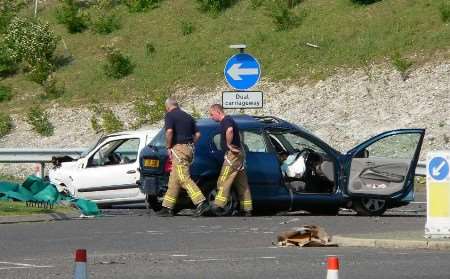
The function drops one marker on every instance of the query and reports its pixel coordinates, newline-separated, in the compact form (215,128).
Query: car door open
(384,165)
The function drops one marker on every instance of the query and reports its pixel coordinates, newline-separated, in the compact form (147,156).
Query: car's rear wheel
(229,208)
(369,206)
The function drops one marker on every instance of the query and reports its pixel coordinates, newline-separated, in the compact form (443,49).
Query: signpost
(438,195)
(242,72)
(242,99)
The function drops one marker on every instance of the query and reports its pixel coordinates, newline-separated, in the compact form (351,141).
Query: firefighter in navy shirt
(181,135)
(233,169)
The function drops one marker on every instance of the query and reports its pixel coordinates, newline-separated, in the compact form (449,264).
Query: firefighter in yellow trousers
(233,168)
(181,135)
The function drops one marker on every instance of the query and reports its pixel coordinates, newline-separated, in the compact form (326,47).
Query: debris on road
(305,236)
(290,221)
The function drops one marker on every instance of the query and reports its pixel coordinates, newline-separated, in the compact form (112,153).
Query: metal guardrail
(421,168)
(31,155)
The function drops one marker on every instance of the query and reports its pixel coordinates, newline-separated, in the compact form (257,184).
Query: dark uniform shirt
(227,122)
(183,126)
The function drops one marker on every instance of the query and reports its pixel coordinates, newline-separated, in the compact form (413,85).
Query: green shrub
(40,72)
(38,119)
(149,113)
(107,4)
(5,93)
(364,2)
(71,15)
(401,64)
(95,125)
(118,65)
(7,62)
(110,122)
(444,9)
(103,120)
(256,3)
(187,28)
(282,15)
(215,6)
(138,6)
(149,49)
(5,124)
(105,24)
(292,3)
(31,41)
(8,10)
(52,90)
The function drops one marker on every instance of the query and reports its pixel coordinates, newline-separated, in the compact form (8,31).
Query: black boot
(165,212)
(246,213)
(218,211)
(202,208)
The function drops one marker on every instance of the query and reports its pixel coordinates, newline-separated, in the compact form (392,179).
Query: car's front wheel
(369,206)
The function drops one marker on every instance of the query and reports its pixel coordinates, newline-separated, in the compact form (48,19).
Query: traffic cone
(333,267)
(80,271)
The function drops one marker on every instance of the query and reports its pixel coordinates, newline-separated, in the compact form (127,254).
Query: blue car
(376,175)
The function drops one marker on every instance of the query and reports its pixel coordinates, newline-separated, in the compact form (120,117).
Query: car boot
(201,209)
(165,212)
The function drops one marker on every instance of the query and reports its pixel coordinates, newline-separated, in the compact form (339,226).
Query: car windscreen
(92,146)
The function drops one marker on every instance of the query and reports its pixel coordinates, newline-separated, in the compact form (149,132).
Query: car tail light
(168,166)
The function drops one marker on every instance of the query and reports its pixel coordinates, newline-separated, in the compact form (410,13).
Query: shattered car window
(299,143)
(401,146)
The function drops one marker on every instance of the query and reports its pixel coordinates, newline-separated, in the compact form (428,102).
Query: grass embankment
(348,35)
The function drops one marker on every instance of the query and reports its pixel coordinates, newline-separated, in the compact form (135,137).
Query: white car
(106,173)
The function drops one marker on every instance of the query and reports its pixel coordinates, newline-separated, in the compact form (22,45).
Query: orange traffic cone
(333,267)
(80,271)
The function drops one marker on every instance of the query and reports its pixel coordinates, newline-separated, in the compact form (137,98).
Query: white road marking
(179,255)
(22,266)
(156,232)
(205,260)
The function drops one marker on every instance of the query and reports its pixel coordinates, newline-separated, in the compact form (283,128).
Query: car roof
(135,133)
(246,121)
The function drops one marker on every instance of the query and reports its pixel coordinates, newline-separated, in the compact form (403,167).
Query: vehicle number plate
(151,163)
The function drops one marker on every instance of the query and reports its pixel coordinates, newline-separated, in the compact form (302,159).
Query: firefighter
(181,135)
(233,168)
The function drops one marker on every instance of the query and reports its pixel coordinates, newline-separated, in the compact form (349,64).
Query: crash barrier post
(40,204)
(80,270)
(333,267)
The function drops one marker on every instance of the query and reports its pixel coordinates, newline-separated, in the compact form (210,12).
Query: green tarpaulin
(36,189)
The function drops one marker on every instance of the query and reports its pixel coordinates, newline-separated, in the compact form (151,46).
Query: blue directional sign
(438,168)
(242,71)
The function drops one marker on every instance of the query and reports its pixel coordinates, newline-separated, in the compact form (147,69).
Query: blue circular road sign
(438,168)
(242,71)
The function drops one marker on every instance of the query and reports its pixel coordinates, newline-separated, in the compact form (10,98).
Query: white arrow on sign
(235,71)
(437,170)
